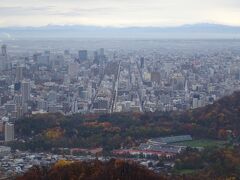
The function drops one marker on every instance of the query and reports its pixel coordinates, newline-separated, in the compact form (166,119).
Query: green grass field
(202,143)
(185,171)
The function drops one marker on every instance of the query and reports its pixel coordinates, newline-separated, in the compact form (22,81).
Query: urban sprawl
(108,80)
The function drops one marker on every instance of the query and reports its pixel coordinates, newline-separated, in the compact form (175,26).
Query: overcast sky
(118,12)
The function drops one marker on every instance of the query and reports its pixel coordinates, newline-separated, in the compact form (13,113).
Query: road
(115,90)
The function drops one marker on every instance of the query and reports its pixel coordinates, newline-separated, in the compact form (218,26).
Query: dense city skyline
(147,100)
(119,89)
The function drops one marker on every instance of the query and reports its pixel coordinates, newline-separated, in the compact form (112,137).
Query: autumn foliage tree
(95,170)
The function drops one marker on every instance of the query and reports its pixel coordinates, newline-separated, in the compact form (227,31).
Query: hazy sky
(118,12)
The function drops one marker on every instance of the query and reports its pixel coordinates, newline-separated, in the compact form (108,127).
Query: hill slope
(112,170)
(216,121)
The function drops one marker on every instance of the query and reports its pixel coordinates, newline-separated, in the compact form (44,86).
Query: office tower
(73,68)
(102,57)
(101,53)
(36,56)
(3,58)
(19,74)
(25,91)
(82,55)
(197,101)
(8,132)
(1,126)
(96,57)
(19,112)
(4,50)
(43,59)
(18,99)
(66,52)
(2,62)
(142,62)
(155,77)
(178,81)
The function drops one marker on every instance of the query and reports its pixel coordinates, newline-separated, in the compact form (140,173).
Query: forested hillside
(96,170)
(110,131)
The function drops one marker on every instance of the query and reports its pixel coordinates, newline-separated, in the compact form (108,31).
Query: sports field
(202,143)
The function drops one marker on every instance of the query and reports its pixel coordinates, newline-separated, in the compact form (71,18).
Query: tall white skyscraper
(8,132)
(197,101)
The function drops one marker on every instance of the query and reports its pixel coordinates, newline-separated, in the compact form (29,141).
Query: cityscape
(113,80)
(108,81)
(119,90)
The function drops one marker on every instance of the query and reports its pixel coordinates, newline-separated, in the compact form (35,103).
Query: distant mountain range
(196,31)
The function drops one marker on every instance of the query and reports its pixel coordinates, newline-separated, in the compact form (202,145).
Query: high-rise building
(19,73)
(36,56)
(73,69)
(96,57)
(19,111)
(43,59)
(155,77)
(197,101)
(3,58)
(25,90)
(8,132)
(102,56)
(82,55)
(101,53)
(142,62)
(99,56)
(178,81)
(4,50)
(66,52)
(18,99)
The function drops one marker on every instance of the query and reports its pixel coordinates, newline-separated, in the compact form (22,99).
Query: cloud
(86,11)
(118,12)
(23,11)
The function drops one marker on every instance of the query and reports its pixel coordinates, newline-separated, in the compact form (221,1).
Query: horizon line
(121,27)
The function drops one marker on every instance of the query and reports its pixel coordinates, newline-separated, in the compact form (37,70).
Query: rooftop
(170,139)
